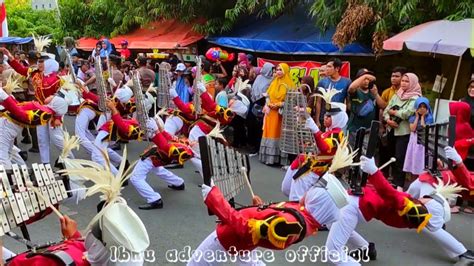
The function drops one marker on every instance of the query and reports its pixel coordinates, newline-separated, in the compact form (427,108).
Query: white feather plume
(241,85)
(67,84)
(69,143)
(216,132)
(105,182)
(450,191)
(13,83)
(41,42)
(343,157)
(327,94)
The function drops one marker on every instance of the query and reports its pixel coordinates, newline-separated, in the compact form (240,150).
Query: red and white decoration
(3,19)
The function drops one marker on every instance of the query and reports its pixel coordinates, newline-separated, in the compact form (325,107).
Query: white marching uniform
(194,135)
(139,175)
(48,135)
(173,125)
(83,118)
(103,145)
(8,133)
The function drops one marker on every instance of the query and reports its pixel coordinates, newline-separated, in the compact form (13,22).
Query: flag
(3,19)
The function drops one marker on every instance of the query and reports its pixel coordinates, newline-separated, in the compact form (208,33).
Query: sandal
(468,210)
(455,209)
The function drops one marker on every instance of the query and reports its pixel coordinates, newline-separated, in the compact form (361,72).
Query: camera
(396,119)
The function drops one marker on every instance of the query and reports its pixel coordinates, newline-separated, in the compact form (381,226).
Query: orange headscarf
(276,91)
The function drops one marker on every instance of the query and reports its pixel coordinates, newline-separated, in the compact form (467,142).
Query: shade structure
(15,40)
(163,34)
(440,37)
(293,33)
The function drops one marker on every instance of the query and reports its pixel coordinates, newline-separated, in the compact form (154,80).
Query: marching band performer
(26,114)
(396,209)
(89,109)
(276,225)
(119,128)
(46,83)
(460,174)
(306,169)
(168,150)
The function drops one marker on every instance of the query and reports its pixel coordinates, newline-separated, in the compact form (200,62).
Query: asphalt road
(183,222)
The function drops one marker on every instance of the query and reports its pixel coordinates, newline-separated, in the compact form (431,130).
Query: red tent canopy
(165,34)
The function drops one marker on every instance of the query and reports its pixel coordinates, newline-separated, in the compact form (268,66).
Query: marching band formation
(319,197)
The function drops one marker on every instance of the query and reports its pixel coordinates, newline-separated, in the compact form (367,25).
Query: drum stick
(244,172)
(387,163)
(40,195)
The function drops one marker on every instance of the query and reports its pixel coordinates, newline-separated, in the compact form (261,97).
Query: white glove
(368,165)
(312,125)
(173,93)
(3,95)
(201,87)
(112,82)
(452,154)
(151,127)
(205,189)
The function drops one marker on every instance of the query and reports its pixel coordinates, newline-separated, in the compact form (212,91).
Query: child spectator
(415,156)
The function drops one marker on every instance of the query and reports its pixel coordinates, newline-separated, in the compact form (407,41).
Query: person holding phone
(364,98)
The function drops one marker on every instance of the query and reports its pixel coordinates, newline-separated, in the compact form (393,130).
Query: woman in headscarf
(276,93)
(255,116)
(396,115)
(106,48)
(307,85)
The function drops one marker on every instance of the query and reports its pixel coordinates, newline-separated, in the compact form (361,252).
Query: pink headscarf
(414,88)
(243,60)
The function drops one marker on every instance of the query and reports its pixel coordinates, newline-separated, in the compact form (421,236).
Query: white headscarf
(123,94)
(339,120)
(50,66)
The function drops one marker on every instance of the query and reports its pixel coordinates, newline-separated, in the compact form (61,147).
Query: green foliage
(97,18)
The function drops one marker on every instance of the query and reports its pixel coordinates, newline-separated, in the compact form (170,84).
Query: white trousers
(104,117)
(343,233)
(15,156)
(450,245)
(299,186)
(82,129)
(194,135)
(8,132)
(212,244)
(286,184)
(7,254)
(139,175)
(173,125)
(48,135)
(99,146)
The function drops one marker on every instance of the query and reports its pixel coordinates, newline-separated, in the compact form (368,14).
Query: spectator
(255,116)
(208,79)
(96,51)
(415,156)
(322,72)
(387,142)
(396,114)
(147,76)
(221,97)
(332,80)
(363,96)
(469,99)
(125,52)
(238,71)
(106,49)
(307,86)
(183,90)
(276,93)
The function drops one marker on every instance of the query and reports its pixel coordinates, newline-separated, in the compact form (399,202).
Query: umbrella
(438,37)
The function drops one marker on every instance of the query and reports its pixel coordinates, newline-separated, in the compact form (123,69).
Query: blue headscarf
(182,89)
(428,117)
(108,48)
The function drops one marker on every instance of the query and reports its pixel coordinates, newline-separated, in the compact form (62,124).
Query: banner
(299,69)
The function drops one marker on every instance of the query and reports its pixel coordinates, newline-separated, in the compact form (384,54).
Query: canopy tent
(293,33)
(15,40)
(166,34)
(437,37)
